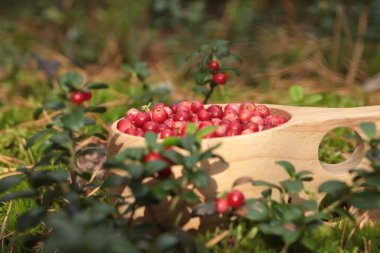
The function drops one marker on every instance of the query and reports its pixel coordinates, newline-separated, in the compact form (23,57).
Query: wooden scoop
(297,141)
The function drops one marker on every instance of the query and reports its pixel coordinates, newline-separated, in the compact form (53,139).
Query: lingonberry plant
(78,207)
(212,67)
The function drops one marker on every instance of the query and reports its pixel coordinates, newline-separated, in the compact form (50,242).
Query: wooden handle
(308,125)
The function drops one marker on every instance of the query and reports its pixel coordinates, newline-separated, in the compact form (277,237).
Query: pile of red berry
(234,119)
(235,199)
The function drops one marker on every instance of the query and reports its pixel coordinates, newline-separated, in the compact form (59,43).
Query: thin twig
(358,48)
(4,225)
(211,243)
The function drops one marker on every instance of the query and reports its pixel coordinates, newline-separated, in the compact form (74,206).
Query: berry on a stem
(214,66)
(221,206)
(220,78)
(77,97)
(235,199)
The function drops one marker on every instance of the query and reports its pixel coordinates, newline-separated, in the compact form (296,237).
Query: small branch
(210,91)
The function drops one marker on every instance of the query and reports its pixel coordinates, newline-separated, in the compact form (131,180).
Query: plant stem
(210,91)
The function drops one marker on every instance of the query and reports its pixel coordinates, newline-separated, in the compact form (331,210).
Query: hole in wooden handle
(352,162)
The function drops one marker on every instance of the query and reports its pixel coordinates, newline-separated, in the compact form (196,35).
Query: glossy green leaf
(288,167)
(30,218)
(97,109)
(10,181)
(312,99)
(165,243)
(369,129)
(296,93)
(96,86)
(293,187)
(365,199)
(73,121)
(17,195)
(333,187)
(257,210)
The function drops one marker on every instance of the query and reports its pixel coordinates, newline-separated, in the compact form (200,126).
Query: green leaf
(156,166)
(18,194)
(70,81)
(257,211)
(54,105)
(73,121)
(200,178)
(151,140)
(96,86)
(266,184)
(42,135)
(288,167)
(170,141)
(203,209)
(365,199)
(189,196)
(293,187)
(201,77)
(312,99)
(10,181)
(165,243)
(369,129)
(30,218)
(333,188)
(205,131)
(191,128)
(96,109)
(287,213)
(113,180)
(62,139)
(296,93)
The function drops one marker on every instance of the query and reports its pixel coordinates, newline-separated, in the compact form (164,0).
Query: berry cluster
(234,119)
(235,199)
(78,97)
(219,77)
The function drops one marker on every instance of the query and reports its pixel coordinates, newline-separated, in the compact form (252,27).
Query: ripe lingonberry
(141,118)
(235,199)
(221,206)
(220,78)
(159,115)
(77,97)
(214,66)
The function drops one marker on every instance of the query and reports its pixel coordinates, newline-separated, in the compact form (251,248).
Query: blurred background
(330,48)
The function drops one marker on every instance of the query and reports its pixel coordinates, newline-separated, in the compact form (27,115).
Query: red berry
(235,126)
(245,115)
(150,126)
(263,110)
(235,199)
(225,121)
(165,133)
(221,131)
(169,122)
(231,117)
(162,126)
(158,106)
(205,124)
(247,106)
(165,173)
(141,118)
(215,111)
(77,97)
(131,113)
(140,132)
(232,106)
(124,124)
(258,120)
(174,107)
(87,95)
(168,111)
(221,206)
(247,131)
(232,132)
(214,66)
(159,115)
(181,116)
(131,131)
(186,104)
(251,125)
(220,78)
(196,106)
(215,121)
(154,156)
(179,128)
(204,115)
